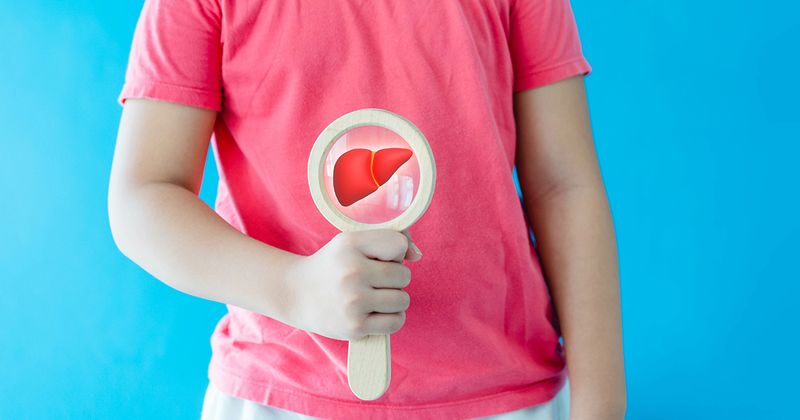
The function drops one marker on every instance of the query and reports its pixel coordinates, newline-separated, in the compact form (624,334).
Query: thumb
(413,253)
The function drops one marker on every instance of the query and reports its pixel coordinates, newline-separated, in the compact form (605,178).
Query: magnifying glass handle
(369,366)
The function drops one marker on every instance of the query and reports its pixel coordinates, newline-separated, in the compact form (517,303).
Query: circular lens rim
(391,121)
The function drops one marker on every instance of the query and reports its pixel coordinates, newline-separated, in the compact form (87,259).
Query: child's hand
(351,287)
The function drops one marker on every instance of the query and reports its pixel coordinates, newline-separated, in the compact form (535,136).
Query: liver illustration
(360,172)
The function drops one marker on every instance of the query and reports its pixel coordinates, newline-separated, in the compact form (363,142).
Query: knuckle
(387,270)
(355,330)
(398,274)
(356,303)
(346,239)
(351,279)
(401,240)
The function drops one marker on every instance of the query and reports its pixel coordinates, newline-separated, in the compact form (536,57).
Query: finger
(388,274)
(388,301)
(382,244)
(378,323)
(413,253)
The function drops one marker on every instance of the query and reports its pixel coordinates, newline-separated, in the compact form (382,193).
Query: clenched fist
(352,286)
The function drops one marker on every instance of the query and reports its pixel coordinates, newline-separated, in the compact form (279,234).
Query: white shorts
(220,406)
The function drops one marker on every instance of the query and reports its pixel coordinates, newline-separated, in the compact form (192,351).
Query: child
(490,83)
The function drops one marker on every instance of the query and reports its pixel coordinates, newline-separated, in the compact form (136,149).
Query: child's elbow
(118,222)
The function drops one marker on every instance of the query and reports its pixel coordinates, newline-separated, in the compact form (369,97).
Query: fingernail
(415,249)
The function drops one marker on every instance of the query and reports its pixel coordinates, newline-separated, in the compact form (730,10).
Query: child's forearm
(568,210)
(171,233)
(576,241)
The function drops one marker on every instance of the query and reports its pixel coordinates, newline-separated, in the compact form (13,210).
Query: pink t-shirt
(480,336)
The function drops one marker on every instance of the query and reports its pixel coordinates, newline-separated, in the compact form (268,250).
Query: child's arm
(569,213)
(158,221)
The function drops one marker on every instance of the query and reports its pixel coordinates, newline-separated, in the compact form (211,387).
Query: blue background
(695,112)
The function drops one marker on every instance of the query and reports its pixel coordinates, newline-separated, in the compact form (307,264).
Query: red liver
(360,172)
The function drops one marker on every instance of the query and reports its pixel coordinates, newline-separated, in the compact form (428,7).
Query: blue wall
(695,114)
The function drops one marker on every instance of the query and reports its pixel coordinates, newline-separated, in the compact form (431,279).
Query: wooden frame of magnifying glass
(369,359)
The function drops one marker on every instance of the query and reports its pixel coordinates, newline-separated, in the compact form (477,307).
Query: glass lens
(371,174)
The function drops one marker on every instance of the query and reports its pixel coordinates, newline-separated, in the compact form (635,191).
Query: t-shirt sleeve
(544,43)
(176,54)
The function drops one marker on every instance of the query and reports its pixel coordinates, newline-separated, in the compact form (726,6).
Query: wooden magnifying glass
(371,169)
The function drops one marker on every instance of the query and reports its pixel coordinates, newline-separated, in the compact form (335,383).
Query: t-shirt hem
(141,88)
(566,69)
(328,408)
